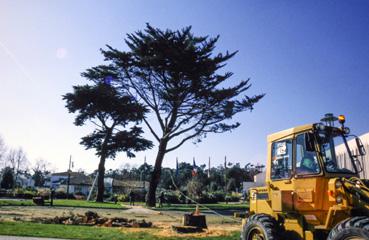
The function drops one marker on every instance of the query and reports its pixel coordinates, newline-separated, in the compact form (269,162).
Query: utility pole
(225,175)
(209,168)
(68,181)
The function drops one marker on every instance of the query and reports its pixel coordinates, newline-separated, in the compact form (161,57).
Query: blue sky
(309,57)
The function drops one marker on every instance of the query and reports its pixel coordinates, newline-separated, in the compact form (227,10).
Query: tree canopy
(178,78)
(111,113)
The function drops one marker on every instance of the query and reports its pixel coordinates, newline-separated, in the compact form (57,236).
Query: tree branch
(155,109)
(151,130)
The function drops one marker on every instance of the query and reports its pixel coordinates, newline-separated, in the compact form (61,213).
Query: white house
(78,182)
(25,181)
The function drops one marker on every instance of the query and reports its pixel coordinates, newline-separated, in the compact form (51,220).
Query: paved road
(27,238)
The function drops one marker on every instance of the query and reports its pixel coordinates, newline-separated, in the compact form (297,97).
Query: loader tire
(261,226)
(351,228)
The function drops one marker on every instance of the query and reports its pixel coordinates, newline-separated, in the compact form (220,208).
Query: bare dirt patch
(162,220)
(163,229)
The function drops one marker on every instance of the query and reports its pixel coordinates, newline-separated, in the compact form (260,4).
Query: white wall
(344,160)
(259,180)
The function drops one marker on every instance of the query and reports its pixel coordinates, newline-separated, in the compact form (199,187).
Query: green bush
(61,194)
(122,198)
(172,197)
(233,197)
(207,198)
(24,193)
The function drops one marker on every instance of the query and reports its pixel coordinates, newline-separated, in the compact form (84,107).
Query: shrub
(233,197)
(217,196)
(122,198)
(24,194)
(61,194)
(207,198)
(195,188)
(43,192)
(172,197)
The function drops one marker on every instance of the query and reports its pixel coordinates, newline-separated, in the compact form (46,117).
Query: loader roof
(281,134)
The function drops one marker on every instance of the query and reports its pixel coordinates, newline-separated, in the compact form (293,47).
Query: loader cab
(309,151)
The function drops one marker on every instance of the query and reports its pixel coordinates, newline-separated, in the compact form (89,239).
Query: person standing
(131,198)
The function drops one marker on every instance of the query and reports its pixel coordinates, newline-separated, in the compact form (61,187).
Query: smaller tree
(40,172)
(111,113)
(195,188)
(7,181)
(17,160)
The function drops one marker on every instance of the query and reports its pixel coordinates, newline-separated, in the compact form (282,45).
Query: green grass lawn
(16,203)
(173,207)
(215,206)
(64,203)
(83,232)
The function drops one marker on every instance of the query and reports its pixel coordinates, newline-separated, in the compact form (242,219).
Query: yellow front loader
(309,192)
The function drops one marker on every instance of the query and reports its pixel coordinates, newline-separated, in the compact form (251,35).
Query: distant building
(344,160)
(25,181)
(259,180)
(78,182)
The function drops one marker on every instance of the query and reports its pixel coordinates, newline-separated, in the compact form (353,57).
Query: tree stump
(194,221)
(39,201)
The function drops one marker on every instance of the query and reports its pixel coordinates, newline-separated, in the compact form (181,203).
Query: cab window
(281,159)
(306,159)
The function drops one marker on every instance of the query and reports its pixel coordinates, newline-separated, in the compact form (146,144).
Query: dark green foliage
(39,178)
(111,113)
(7,180)
(176,76)
(101,103)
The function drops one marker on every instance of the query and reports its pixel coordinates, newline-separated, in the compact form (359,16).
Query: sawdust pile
(165,230)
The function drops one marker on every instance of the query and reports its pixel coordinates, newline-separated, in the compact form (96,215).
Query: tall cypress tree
(177,76)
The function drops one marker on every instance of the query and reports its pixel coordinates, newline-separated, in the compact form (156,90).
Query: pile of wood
(91,218)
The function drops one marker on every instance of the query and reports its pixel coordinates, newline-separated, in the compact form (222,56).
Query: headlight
(338,184)
(339,198)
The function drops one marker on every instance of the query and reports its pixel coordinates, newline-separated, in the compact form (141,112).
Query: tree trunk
(155,176)
(100,180)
